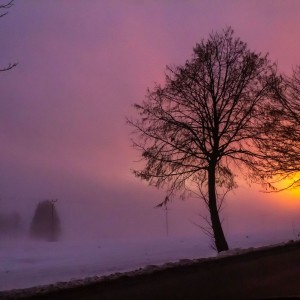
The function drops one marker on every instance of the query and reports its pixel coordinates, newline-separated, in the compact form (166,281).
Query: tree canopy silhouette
(280,141)
(3,12)
(197,130)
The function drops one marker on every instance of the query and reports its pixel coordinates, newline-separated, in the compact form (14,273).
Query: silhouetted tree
(3,12)
(45,223)
(4,6)
(198,129)
(288,93)
(280,141)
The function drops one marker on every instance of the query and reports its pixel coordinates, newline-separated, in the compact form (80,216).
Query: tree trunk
(220,241)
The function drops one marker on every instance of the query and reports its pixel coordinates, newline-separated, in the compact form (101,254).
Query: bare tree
(196,132)
(279,142)
(3,12)
(4,7)
(288,93)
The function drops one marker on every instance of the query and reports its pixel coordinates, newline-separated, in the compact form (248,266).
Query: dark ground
(265,274)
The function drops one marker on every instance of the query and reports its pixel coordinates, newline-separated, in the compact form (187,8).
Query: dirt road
(257,275)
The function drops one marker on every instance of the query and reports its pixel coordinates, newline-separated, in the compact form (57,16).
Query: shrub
(45,223)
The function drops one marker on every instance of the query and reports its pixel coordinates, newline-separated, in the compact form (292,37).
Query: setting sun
(290,187)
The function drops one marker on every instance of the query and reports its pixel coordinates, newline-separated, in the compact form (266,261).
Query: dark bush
(45,223)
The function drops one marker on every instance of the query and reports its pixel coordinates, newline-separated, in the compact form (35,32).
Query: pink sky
(81,67)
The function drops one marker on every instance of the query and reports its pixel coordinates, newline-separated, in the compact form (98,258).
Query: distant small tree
(45,223)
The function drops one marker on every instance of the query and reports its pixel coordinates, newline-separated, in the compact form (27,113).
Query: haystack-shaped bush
(45,223)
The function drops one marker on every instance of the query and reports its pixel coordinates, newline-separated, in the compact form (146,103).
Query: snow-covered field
(29,263)
(25,263)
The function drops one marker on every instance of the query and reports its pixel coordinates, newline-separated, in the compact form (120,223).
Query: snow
(25,264)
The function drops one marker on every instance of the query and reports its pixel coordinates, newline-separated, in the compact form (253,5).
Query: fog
(97,213)
(62,112)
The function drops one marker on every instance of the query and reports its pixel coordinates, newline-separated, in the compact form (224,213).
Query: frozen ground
(26,264)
